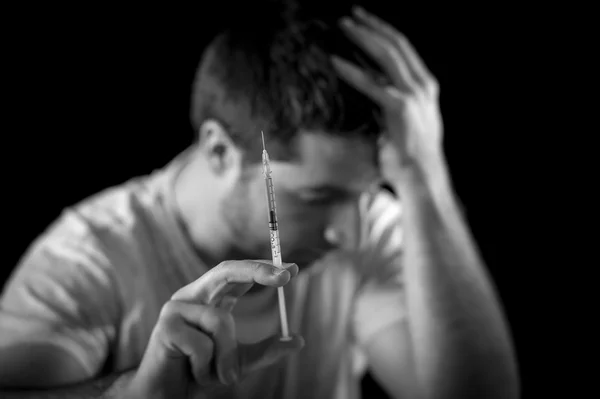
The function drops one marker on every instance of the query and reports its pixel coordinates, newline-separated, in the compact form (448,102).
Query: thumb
(267,352)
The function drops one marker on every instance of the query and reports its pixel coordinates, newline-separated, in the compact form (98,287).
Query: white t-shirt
(94,282)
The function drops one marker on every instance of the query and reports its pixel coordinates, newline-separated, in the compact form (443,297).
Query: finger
(196,346)
(267,352)
(290,267)
(216,324)
(179,334)
(382,51)
(211,285)
(358,79)
(418,68)
(227,303)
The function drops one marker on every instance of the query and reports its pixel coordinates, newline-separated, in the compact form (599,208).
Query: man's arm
(47,365)
(112,386)
(459,339)
(455,339)
(38,365)
(59,313)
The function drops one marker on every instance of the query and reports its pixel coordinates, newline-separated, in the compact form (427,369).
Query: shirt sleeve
(61,294)
(380,299)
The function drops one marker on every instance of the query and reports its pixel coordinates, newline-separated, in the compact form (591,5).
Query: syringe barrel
(275,248)
(273,228)
(271,204)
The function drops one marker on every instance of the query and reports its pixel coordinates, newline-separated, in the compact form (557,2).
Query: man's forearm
(113,386)
(461,342)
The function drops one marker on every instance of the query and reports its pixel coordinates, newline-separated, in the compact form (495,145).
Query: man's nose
(344,228)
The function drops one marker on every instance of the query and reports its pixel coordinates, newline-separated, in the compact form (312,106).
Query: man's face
(317,199)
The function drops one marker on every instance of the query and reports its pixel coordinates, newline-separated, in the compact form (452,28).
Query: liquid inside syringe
(274,237)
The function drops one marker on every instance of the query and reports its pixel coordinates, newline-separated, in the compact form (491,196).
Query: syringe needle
(263,140)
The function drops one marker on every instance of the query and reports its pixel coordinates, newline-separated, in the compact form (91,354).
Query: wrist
(431,178)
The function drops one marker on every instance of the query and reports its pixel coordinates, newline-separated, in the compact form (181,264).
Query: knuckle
(220,323)
(224,264)
(257,266)
(167,320)
(432,85)
(168,310)
(205,317)
(212,321)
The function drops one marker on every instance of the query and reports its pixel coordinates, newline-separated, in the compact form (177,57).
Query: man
(145,290)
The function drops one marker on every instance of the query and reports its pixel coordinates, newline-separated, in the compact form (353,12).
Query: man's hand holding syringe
(193,347)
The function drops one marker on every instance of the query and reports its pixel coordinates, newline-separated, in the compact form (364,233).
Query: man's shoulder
(116,207)
(106,218)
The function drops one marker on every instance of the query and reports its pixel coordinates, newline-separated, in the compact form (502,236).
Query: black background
(102,94)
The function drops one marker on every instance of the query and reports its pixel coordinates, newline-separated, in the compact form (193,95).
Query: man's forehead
(325,160)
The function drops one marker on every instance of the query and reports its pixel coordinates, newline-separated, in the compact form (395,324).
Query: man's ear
(222,155)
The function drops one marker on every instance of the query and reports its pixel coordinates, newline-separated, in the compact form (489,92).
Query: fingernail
(277,271)
(290,265)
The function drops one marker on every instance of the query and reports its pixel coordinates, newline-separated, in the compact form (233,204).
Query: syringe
(274,232)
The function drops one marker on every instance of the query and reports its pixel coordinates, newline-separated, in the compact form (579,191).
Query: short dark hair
(274,74)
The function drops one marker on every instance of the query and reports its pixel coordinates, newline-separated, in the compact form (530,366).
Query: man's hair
(274,73)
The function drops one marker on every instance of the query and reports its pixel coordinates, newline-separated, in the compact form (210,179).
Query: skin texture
(237,229)
(454,344)
(196,326)
(456,328)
